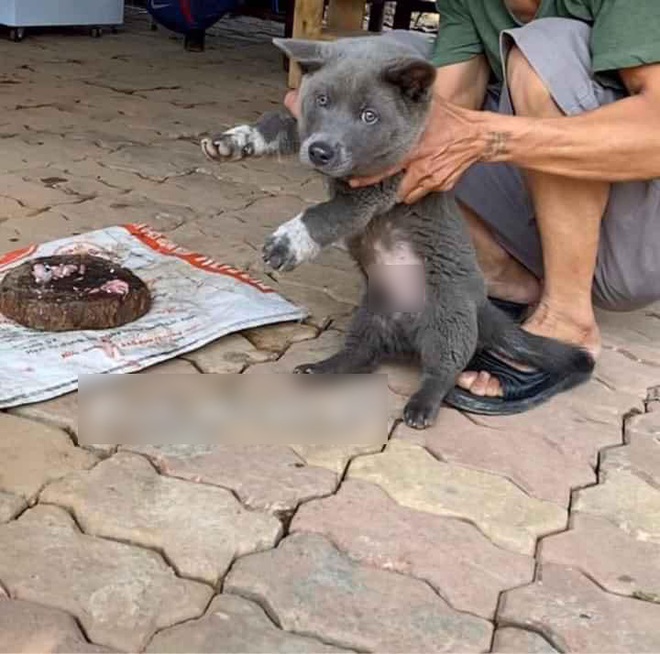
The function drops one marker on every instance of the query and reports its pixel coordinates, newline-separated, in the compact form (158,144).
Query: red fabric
(186,11)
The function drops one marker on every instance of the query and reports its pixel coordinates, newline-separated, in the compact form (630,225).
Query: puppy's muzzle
(321,154)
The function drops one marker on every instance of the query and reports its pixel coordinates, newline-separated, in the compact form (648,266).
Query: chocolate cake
(71,292)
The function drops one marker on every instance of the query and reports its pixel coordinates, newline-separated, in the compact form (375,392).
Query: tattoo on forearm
(496,146)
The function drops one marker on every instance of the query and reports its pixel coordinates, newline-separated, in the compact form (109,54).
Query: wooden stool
(345,18)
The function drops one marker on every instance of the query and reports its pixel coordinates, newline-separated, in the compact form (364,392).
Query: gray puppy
(364,104)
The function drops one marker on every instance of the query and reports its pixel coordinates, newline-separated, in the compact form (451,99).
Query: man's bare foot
(544,321)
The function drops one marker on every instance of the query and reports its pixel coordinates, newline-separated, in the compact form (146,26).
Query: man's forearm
(619,142)
(463,84)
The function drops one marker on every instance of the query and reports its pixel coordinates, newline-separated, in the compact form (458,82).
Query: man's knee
(549,67)
(529,94)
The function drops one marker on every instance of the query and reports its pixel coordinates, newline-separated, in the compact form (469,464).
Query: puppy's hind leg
(273,133)
(361,353)
(446,348)
(345,362)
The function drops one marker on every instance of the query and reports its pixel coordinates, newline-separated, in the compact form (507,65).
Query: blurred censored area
(396,288)
(232,409)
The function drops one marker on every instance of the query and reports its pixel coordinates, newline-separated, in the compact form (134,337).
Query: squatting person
(546,122)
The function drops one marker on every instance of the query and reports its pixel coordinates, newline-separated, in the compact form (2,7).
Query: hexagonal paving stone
(642,454)
(626,500)
(34,197)
(277,338)
(334,457)
(322,307)
(270,477)
(454,557)
(233,625)
(616,560)
(530,459)
(579,424)
(27,627)
(201,192)
(155,163)
(10,506)
(635,334)
(32,454)
(270,211)
(510,640)
(228,354)
(121,594)
(641,457)
(171,367)
(411,476)
(327,344)
(60,412)
(644,425)
(624,373)
(340,282)
(313,589)
(200,528)
(403,377)
(653,402)
(580,617)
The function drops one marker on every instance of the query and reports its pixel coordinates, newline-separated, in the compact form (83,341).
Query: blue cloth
(184,16)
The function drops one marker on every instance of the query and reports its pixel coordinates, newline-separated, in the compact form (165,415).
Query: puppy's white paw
(236,143)
(290,245)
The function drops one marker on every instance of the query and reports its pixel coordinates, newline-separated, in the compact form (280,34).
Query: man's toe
(480,385)
(494,388)
(466,379)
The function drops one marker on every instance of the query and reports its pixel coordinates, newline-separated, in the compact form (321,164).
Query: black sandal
(521,389)
(515,310)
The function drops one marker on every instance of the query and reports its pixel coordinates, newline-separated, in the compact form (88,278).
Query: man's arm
(618,142)
(463,84)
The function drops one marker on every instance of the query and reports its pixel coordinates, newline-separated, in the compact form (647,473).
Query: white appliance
(19,14)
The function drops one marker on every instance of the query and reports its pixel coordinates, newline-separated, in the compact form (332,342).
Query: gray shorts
(628,269)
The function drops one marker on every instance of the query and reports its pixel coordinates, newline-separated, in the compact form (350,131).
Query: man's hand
(292,103)
(451,143)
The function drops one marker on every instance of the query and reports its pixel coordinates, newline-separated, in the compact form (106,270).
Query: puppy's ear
(309,55)
(412,76)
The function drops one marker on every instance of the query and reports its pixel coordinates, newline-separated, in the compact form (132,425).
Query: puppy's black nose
(321,153)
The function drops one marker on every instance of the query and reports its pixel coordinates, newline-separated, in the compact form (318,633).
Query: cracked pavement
(533,533)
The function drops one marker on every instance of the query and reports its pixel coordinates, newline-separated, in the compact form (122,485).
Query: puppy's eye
(369,116)
(322,100)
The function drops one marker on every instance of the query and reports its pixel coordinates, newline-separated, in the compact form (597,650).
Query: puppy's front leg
(273,133)
(347,213)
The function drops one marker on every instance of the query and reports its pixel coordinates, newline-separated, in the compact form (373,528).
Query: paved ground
(531,534)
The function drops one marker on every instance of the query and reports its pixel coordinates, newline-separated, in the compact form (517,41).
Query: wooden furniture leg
(307,24)
(345,16)
(376,15)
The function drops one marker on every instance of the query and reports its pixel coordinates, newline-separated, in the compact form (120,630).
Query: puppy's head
(364,103)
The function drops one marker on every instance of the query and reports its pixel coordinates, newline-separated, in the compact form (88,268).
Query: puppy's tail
(500,334)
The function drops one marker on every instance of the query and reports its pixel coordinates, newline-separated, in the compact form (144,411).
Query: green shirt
(625,33)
